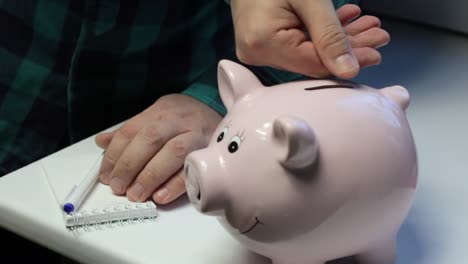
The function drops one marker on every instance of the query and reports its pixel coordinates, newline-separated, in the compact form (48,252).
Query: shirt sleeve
(205,89)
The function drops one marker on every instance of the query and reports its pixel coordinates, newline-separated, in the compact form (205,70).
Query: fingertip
(103,140)
(136,193)
(162,196)
(372,21)
(118,186)
(353,6)
(348,12)
(374,59)
(103,179)
(368,57)
(386,38)
(169,192)
(99,140)
(346,66)
(104,174)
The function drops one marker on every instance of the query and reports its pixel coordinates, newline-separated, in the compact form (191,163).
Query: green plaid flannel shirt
(71,68)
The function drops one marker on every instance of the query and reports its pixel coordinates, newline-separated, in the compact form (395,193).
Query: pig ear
(397,94)
(297,142)
(235,81)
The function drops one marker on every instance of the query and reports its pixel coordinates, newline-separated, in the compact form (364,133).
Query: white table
(432,65)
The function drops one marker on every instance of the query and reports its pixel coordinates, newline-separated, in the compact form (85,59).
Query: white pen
(79,192)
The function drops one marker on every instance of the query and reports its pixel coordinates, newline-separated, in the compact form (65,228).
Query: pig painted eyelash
(236,141)
(241,135)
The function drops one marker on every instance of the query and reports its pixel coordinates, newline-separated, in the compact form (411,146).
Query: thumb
(103,140)
(328,36)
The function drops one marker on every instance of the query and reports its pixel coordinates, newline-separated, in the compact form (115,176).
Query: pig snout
(204,183)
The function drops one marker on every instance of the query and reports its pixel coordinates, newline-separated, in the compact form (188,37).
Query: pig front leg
(383,252)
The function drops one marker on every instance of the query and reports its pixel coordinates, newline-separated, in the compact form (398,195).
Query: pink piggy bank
(308,171)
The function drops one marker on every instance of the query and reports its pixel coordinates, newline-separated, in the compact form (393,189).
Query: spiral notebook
(100,206)
(126,212)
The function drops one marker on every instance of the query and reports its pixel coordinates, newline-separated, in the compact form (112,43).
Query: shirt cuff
(207,94)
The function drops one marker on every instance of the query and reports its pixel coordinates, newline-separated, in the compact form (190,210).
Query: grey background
(448,14)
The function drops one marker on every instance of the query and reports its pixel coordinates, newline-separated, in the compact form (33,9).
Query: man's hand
(306,36)
(144,157)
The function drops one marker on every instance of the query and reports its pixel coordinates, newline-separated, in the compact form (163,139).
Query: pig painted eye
(222,134)
(234,144)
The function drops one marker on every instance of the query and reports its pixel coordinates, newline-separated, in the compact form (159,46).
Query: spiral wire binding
(109,217)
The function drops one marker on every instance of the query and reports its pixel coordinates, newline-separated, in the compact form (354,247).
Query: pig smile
(253,226)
